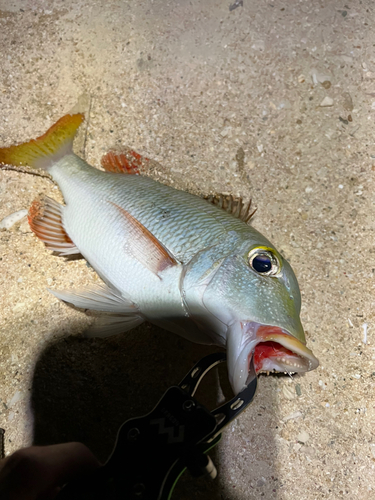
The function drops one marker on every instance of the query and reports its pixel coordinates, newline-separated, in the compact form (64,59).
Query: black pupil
(262,263)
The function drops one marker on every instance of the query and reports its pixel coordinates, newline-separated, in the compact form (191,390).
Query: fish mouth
(272,348)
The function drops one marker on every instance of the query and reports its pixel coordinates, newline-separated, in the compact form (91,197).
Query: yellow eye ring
(264,261)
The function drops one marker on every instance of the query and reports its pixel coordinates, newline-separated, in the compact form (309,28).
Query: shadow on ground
(84,389)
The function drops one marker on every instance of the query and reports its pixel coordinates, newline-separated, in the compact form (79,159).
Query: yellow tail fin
(47,149)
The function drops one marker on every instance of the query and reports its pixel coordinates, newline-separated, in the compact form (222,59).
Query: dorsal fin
(127,162)
(46,149)
(233,206)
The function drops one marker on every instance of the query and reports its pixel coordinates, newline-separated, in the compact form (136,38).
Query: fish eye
(264,262)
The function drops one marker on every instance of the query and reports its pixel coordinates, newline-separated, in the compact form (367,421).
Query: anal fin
(45,221)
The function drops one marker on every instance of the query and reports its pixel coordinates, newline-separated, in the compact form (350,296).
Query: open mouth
(272,357)
(273,350)
(278,351)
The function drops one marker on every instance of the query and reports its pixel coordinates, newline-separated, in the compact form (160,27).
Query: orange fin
(144,246)
(128,162)
(233,206)
(46,149)
(45,221)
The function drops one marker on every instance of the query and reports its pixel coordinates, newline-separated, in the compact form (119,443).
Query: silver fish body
(184,264)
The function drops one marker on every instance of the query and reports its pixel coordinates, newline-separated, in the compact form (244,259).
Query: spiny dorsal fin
(233,206)
(46,149)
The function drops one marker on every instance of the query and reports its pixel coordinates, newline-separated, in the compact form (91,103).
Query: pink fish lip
(272,348)
(275,349)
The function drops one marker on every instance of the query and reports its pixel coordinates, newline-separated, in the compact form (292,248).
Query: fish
(189,265)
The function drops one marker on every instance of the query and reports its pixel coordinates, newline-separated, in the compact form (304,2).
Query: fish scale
(193,224)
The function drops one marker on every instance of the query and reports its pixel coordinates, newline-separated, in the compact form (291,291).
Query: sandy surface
(192,85)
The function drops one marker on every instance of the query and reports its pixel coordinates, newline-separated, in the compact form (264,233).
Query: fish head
(254,295)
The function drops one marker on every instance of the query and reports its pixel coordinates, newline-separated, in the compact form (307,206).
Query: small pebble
(303,437)
(261,482)
(24,227)
(225,131)
(327,101)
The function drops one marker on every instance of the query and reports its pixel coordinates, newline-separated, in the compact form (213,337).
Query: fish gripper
(152,451)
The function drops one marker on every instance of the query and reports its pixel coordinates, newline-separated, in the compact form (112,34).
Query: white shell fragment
(15,399)
(318,77)
(289,392)
(11,219)
(303,437)
(292,416)
(364,338)
(327,101)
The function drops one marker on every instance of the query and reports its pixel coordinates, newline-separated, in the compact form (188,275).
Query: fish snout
(273,349)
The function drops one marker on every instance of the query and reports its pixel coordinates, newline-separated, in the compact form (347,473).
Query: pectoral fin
(144,246)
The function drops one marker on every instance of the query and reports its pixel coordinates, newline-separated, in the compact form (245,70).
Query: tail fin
(46,149)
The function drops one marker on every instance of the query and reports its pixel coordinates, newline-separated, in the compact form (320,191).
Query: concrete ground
(273,100)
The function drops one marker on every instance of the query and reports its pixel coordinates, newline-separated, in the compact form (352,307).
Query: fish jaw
(272,347)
